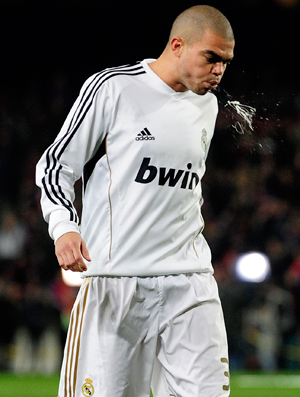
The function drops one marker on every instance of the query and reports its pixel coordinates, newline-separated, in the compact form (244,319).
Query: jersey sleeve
(62,163)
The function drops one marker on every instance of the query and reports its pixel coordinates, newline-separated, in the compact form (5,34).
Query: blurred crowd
(251,203)
(35,303)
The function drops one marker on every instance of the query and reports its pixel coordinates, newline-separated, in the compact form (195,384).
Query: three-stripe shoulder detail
(51,180)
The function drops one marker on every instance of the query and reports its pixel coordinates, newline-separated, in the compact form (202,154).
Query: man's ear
(177,44)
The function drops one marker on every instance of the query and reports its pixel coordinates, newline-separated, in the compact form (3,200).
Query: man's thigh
(111,341)
(192,355)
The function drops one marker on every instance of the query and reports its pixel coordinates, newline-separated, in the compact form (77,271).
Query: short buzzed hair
(193,22)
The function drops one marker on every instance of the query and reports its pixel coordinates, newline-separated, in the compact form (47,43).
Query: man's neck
(166,71)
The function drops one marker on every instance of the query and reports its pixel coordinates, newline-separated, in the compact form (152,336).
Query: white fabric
(121,326)
(142,149)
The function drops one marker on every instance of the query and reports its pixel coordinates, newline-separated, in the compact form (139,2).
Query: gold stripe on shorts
(226,373)
(79,337)
(74,338)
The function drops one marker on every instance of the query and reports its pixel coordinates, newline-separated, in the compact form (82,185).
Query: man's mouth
(213,84)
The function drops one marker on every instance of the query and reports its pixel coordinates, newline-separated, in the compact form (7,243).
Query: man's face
(203,63)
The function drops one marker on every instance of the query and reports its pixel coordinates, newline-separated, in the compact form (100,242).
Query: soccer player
(148,312)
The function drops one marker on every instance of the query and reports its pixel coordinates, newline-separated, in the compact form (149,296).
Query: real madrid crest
(204,140)
(88,388)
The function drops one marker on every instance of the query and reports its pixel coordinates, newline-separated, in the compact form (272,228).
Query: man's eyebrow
(216,56)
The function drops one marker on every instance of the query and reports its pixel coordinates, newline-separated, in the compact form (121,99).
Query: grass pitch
(242,385)
(265,385)
(28,385)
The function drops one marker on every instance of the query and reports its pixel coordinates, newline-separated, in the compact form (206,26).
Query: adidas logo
(145,135)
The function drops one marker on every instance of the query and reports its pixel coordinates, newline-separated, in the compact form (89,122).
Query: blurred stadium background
(251,189)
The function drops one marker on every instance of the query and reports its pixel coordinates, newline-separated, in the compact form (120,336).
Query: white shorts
(128,334)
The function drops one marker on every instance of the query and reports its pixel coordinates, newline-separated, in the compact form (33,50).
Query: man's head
(192,23)
(200,46)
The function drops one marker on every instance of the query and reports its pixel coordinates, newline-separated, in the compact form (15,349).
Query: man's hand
(70,249)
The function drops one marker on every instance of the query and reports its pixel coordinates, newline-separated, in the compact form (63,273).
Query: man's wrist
(63,228)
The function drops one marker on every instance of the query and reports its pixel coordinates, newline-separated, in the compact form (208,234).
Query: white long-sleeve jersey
(141,149)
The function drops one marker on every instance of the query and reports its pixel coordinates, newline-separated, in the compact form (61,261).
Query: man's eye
(211,60)
(217,60)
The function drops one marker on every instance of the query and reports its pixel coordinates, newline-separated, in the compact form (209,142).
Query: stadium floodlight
(72,279)
(252,267)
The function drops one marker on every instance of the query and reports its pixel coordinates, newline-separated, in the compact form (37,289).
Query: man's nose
(219,68)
